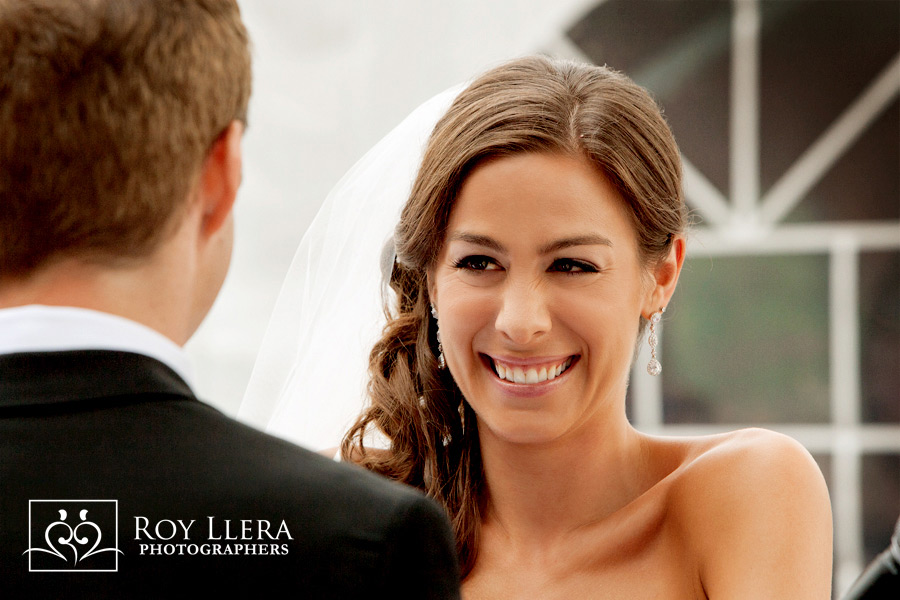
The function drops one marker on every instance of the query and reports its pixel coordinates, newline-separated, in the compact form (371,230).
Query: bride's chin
(518,430)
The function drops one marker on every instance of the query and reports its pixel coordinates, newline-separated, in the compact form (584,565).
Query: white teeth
(530,376)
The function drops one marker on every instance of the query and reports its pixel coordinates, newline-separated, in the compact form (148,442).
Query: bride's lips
(531,374)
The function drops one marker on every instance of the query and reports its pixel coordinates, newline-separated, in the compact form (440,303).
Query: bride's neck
(541,492)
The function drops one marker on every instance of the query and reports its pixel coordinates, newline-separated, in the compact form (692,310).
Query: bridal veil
(308,383)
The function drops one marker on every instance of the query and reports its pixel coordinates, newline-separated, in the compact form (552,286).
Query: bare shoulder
(746,456)
(749,470)
(332,453)
(754,508)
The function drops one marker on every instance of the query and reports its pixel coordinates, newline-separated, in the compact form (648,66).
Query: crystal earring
(653,367)
(442,364)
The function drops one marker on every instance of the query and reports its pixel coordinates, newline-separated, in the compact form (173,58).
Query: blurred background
(787,113)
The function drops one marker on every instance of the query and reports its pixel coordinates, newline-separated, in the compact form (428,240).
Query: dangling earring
(653,367)
(441,363)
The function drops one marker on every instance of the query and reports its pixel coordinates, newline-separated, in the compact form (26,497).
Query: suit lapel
(32,378)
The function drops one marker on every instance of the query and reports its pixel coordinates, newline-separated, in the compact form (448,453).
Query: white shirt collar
(38,328)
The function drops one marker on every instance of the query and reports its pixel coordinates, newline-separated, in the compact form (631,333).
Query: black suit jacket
(204,505)
(881,579)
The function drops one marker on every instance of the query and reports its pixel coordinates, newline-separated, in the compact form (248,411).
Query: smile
(529,374)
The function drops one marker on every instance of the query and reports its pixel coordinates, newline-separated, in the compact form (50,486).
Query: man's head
(109,110)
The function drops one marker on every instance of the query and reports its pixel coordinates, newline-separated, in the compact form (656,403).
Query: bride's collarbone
(634,553)
(634,548)
(638,550)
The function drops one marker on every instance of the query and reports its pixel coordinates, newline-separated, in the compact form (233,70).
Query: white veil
(308,383)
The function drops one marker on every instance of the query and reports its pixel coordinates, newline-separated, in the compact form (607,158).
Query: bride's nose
(524,314)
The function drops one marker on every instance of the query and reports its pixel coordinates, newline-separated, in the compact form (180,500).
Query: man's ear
(664,278)
(220,178)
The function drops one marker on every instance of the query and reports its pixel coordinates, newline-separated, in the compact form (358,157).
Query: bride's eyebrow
(581,240)
(478,240)
(555,246)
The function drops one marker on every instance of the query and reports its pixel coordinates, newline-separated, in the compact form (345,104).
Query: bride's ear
(664,277)
(429,283)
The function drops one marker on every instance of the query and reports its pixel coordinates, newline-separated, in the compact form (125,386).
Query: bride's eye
(477,263)
(570,266)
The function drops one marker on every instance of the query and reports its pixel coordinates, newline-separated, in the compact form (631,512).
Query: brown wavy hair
(528,105)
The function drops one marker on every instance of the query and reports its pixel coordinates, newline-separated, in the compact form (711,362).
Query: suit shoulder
(420,552)
(269,462)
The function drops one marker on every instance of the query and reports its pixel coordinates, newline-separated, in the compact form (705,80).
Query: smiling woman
(541,275)
(545,227)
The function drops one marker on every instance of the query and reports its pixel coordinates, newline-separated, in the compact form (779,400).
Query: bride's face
(539,289)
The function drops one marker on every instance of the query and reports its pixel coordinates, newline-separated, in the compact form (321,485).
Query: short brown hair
(107,110)
(528,105)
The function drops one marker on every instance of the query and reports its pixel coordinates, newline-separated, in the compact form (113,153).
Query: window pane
(804,43)
(879,324)
(746,341)
(881,501)
(681,51)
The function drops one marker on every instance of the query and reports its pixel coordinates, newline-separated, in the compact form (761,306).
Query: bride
(544,232)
